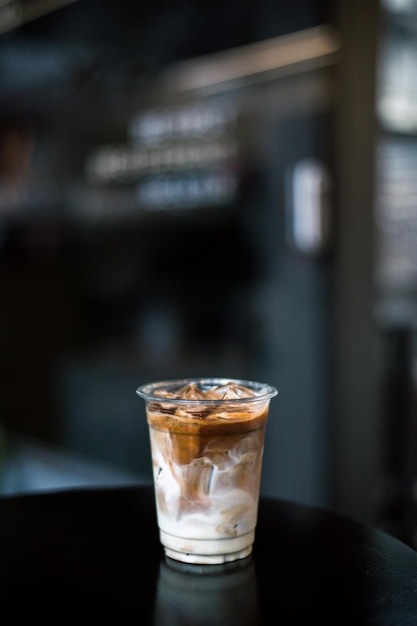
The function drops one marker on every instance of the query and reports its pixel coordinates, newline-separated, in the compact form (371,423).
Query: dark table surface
(95,553)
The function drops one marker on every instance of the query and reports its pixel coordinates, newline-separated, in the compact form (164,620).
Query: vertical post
(354,429)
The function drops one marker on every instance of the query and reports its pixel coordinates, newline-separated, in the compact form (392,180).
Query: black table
(95,553)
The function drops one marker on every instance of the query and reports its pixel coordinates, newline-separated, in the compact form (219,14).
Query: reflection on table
(207,595)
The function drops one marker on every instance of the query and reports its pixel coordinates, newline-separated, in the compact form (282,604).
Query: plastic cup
(207,440)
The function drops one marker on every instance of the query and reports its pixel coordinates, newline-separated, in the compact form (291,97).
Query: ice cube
(190,392)
(164,393)
(195,391)
(233,391)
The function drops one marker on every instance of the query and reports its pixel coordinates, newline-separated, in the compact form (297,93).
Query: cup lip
(147,390)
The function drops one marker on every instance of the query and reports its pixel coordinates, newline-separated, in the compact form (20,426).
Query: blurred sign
(199,120)
(177,157)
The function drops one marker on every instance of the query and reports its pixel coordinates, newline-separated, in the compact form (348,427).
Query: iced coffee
(207,438)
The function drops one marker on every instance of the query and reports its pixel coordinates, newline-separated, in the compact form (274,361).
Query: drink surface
(207,457)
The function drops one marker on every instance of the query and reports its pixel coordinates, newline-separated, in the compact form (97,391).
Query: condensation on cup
(207,439)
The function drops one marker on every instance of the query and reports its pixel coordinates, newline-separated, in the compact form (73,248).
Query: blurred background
(211,188)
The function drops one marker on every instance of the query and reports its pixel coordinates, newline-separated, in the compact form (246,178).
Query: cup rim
(147,390)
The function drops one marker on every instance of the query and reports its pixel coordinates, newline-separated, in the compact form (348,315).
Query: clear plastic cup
(207,439)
